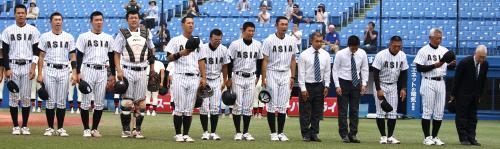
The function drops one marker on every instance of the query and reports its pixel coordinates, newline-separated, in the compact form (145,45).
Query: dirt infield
(39,119)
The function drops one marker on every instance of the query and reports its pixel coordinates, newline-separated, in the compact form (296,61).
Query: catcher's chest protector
(136,45)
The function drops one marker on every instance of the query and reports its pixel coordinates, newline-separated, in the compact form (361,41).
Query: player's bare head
(132,19)
(353,42)
(20,14)
(97,20)
(316,39)
(215,37)
(248,30)
(56,20)
(188,24)
(395,44)
(480,54)
(281,24)
(435,36)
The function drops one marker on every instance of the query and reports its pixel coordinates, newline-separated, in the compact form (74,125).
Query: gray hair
(481,48)
(434,31)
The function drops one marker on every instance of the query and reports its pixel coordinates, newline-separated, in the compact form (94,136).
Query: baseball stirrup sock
(49,113)
(391,124)
(281,122)
(177,124)
(186,122)
(271,120)
(237,121)
(138,122)
(13,115)
(436,124)
(204,122)
(381,126)
(246,123)
(60,117)
(26,114)
(213,122)
(426,125)
(85,118)
(96,119)
(125,121)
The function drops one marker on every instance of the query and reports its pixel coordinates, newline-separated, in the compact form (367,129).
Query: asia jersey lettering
(428,56)
(188,63)
(245,56)
(215,59)
(21,40)
(95,47)
(56,47)
(390,65)
(280,52)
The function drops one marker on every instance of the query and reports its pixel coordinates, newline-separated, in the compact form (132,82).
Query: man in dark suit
(470,81)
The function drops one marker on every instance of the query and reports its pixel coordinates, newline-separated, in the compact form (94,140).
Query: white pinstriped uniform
(170,69)
(256,101)
(152,97)
(390,67)
(20,41)
(280,52)
(213,64)
(433,92)
(244,60)
(137,80)
(96,48)
(184,90)
(56,48)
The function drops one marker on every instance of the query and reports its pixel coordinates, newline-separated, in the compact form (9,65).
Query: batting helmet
(42,92)
(163,91)
(12,86)
(265,96)
(193,43)
(448,57)
(205,92)
(228,97)
(121,86)
(84,87)
(386,107)
(154,82)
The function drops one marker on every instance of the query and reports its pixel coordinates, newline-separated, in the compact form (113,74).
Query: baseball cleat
(238,137)
(383,140)
(393,140)
(188,139)
(248,137)
(428,141)
(61,132)
(437,141)
(49,132)
(283,137)
(205,136)
(214,136)
(274,137)
(25,131)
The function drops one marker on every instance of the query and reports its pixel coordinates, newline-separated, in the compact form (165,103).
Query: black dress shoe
(474,142)
(346,140)
(315,138)
(306,139)
(464,142)
(353,139)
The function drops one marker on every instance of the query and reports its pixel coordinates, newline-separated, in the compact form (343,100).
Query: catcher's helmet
(42,92)
(12,86)
(228,97)
(121,86)
(84,87)
(265,96)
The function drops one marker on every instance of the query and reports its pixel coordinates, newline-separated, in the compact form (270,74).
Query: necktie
(477,70)
(355,79)
(317,71)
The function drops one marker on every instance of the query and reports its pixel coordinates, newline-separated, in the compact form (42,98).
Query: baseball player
(152,97)
(20,50)
(189,67)
(217,58)
(53,65)
(432,89)
(244,71)
(94,55)
(390,66)
(133,53)
(278,67)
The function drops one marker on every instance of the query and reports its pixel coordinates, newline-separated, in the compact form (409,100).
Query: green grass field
(159,133)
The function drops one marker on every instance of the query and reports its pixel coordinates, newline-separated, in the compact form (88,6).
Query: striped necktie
(317,71)
(355,80)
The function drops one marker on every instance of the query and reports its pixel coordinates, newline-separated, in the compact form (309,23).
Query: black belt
(189,74)
(96,67)
(434,78)
(214,78)
(245,74)
(19,62)
(315,83)
(135,68)
(57,66)
(387,83)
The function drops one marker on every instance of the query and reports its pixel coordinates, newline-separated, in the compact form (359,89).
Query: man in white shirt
(350,83)
(314,82)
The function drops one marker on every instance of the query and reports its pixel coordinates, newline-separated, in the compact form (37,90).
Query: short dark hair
(19,6)
(313,35)
(152,2)
(296,5)
(353,40)
(247,25)
(216,32)
(94,14)
(55,14)
(396,38)
(371,23)
(184,19)
(278,19)
(133,12)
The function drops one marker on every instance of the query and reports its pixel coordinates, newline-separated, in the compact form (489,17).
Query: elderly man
(470,81)
(332,39)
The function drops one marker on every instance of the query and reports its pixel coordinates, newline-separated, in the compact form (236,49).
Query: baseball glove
(154,82)
(448,57)
(386,107)
(205,92)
